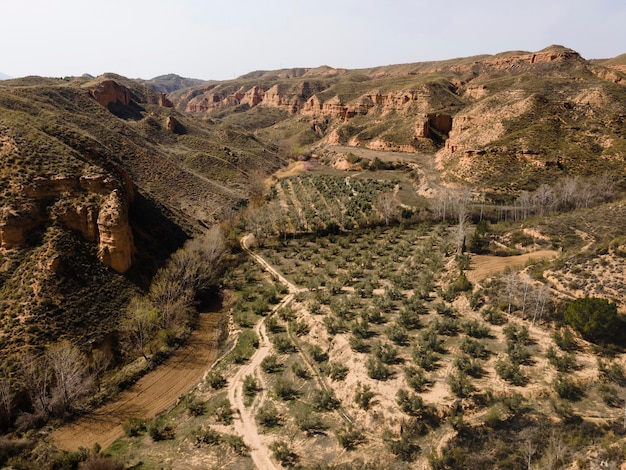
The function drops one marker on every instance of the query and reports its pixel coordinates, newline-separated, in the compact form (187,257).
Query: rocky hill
(544,114)
(100,177)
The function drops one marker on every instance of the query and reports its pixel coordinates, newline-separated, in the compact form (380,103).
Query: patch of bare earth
(151,395)
(486,265)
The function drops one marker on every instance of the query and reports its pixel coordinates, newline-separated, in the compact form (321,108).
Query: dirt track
(485,265)
(152,394)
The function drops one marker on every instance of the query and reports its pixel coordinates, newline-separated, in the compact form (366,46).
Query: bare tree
(387,204)
(36,377)
(69,366)
(256,184)
(6,393)
(99,364)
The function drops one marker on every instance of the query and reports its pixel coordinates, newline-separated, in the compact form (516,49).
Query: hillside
(97,174)
(545,114)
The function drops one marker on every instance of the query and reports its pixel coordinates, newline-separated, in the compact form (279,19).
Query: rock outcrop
(109,92)
(115,236)
(95,204)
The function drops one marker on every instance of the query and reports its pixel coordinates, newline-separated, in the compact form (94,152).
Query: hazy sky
(212,39)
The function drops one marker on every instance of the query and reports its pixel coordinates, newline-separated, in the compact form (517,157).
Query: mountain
(544,113)
(4,76)
(171,82)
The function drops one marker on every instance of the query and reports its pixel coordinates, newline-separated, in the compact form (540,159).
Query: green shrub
(283,453)
(216,380)
(595,319)
(377,370)
(416,378)
(511,372)
(565,340)
(563,362)
(460,384)
(284,389)
(337,371)
(134,426)
(324,400)
(268,416)
(270,364)
(567,388)
(159,430)
(348,436)
(410,403)
(363,395)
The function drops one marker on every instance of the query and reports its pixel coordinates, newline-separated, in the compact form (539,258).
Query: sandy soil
(486,265)
(152,394)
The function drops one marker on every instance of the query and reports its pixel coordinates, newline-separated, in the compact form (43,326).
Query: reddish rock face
(110,92)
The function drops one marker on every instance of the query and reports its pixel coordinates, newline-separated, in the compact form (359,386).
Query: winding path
(245,424)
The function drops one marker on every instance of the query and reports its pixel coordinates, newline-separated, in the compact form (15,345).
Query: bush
(567,388)
(595,319)
(324,400)
(511,372)
(474,348)
(565,340)
(460,384)
(410,403)
(337,371)
(268,416)
(223,412)
(493,316)
(134,426)
(317,354)
(284,389)
(159,430)
(283,453)
(270,364)
(470,366)
(385,352)
(310,422)
(415,378)
(250,386)
(377,370)
(608,394)
(563,363)
(363,396)
(348,436)
(476,329)
(397,334)
(215,380)
(207,436)
(283,344)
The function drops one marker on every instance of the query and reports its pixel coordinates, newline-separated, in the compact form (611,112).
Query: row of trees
(165,312)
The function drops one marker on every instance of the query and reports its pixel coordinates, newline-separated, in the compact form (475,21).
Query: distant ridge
(4,76)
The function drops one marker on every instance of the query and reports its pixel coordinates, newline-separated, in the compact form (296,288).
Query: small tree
(139,324)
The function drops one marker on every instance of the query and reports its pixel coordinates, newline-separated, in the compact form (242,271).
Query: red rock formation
(116,239)
(95,204)
(164,101)
(110,92)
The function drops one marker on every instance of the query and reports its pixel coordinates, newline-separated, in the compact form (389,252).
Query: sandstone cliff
(94,204)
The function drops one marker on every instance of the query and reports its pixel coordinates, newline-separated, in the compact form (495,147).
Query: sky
(220,40)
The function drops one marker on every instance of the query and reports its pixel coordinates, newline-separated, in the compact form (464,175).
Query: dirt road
(152,394)
(485,265)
